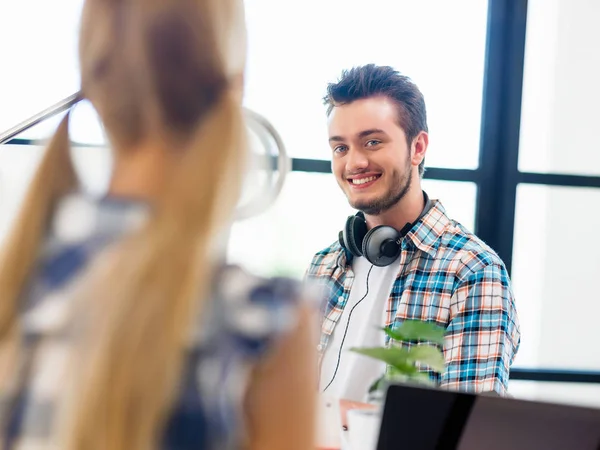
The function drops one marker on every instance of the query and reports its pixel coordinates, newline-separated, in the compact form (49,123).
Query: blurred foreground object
(268,162)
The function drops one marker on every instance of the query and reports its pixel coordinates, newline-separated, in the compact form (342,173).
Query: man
(403,257)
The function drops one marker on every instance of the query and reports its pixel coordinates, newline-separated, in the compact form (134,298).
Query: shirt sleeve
(483,335)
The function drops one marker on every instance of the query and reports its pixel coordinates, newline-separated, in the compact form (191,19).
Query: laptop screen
(432,419)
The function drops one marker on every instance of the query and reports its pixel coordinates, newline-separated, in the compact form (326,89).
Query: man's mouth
(361,182)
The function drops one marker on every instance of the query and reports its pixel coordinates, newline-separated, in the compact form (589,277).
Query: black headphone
(381,245)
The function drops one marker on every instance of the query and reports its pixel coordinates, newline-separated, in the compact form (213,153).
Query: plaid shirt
(245,316)
(449,277)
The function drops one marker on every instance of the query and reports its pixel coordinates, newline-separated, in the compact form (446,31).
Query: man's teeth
(362,180)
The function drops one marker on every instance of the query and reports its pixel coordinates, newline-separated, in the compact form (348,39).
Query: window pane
(307,218)
(292,57)
(458,198)
(38,44)
(555,272)
(559,120)
(19,162)
(290,61)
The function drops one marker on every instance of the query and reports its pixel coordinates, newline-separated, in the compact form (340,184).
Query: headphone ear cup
(354,233)
(380,245)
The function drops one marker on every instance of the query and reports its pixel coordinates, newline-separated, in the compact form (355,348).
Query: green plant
(403,362)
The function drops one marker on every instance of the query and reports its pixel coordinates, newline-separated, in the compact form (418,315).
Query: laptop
(420,418)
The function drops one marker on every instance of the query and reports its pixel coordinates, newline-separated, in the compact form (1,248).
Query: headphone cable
(339,357)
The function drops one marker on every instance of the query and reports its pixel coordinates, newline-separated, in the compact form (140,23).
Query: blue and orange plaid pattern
(449,277)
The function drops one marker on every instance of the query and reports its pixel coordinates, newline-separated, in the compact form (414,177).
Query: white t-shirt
(355,372)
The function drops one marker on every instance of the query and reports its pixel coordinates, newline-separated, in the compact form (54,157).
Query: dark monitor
(418,418)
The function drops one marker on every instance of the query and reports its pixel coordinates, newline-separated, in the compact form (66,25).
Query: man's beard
(399,189)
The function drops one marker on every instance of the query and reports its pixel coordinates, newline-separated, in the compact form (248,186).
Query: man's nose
(357,161)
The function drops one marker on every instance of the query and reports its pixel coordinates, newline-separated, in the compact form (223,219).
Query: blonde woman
(119,329)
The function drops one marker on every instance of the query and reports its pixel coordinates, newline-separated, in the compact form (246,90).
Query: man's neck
(405,211)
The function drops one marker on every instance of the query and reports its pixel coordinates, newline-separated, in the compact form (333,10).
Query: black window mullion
(500,125)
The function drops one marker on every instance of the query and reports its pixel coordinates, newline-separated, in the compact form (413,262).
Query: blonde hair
(156,68)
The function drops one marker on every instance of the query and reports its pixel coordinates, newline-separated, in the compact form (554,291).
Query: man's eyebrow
(366,133)
(361,135)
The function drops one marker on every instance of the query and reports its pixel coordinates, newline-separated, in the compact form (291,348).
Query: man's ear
(419,148)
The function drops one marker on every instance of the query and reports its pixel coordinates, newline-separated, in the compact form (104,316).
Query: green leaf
(423,378)
(416,378)
(393,334)
(428,355)
(377,384)
(398,358)
(394,374)
(416,330)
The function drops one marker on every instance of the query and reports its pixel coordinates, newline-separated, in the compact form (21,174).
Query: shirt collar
(427,232)
(338,257)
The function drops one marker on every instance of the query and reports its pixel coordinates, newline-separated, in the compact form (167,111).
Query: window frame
(497,175)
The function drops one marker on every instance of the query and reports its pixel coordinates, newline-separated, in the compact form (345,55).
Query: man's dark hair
(371,81)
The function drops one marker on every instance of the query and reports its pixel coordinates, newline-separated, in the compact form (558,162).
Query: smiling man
(401,257)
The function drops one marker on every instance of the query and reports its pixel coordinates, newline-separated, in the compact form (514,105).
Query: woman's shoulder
(233,284)
(251,309)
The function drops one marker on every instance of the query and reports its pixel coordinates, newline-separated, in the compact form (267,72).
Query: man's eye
(373,143)
(340,149)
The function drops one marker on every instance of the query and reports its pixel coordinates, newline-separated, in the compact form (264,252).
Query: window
(554,266)
(559,120)
(440,45)
(38,44)
(555,273)
(290,61)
